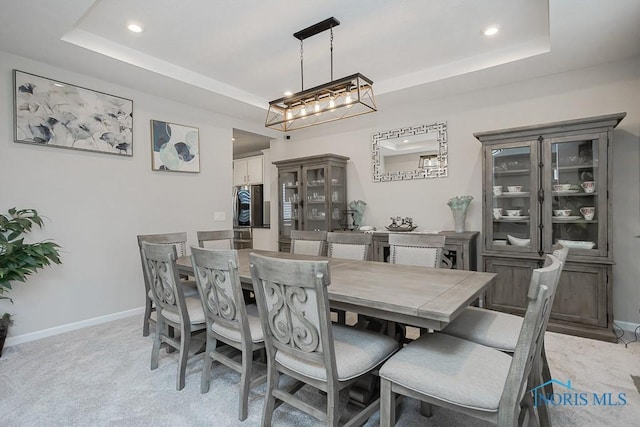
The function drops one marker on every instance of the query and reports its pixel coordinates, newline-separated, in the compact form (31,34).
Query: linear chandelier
(339,99)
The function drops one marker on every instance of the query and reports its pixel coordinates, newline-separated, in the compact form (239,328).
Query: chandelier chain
(331,48)
(301,65)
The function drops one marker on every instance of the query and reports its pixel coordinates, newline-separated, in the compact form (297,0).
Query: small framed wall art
(174,147)
(57,114)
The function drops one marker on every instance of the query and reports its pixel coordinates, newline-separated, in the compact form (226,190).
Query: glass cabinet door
(290,198)
(577,182)
(511,196)
(315,206)
(338,202)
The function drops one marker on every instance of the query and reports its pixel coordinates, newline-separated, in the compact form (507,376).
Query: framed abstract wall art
(57,114)
(174,147)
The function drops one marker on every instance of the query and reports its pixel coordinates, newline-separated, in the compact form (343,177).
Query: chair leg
(185,341)
(333,408)
(544,419)
(273,378)
(245,383)
(207,361)
(546,372)
(387,404)
(148,305)
(426,409)
(155,349)
(533,417)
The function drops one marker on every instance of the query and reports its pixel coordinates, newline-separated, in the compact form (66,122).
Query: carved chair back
(162,275)
(179,240)
(354,246)
(294,309)
(308,242)
(424,250)
(222,239)
(220,289)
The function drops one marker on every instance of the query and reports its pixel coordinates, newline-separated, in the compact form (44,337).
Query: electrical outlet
(219,216)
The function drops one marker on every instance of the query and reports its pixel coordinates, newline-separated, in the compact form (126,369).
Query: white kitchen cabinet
(247,171)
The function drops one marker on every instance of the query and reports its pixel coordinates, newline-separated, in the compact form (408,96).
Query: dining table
(418,296)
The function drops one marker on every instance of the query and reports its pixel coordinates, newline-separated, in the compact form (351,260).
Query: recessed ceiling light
(288,93)
(490,31)
(58,84)
(135,28)
(233,139)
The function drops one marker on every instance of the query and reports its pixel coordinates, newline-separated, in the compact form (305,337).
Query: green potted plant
(18,259)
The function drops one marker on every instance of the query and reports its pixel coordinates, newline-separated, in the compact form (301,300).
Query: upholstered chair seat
(499,330)
(255,327)
(450,369)
(357,352)
(194,307)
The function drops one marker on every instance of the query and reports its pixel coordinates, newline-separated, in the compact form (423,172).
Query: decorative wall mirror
(410,153)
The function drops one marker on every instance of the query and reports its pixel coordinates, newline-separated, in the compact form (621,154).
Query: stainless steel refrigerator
(248,206)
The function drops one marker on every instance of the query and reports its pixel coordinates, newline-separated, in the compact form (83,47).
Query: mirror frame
(430,172)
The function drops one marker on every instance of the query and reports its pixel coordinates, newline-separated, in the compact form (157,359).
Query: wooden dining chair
(499,330)
(222,239)
(172,307)
(355,246)
(301,342)
(424,250)
(228,319)
(308,242)
(463,376)
(179,241)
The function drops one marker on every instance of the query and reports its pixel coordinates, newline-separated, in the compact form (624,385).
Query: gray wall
(603,89)
(96,204)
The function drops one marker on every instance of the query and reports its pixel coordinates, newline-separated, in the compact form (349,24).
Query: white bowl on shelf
(516,241)
(577,244)
(562,187)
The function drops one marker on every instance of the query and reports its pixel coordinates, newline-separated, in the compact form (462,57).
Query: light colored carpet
(100,376)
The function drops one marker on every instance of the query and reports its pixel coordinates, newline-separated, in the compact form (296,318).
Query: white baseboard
(32,336)
(627,326)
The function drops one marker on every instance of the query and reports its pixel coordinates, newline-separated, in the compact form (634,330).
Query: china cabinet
(312,195)
(544,185)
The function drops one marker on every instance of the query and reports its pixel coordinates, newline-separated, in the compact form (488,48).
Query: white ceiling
(248,143)
(232,57)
